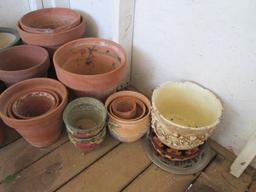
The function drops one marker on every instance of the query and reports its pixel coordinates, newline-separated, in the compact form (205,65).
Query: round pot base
(190,166)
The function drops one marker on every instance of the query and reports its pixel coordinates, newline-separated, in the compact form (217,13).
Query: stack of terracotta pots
(129,115)
(85,120)
(23,62)
(51,27)
(90,66)
(184,115)
(34,108)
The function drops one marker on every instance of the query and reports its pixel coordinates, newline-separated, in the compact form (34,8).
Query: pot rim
(210,126)
(13,87)
(129,93)
(43,50)
(91,40)
(42,11)
(72,104)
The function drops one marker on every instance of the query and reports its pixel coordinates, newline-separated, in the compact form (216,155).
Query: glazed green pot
(85,117)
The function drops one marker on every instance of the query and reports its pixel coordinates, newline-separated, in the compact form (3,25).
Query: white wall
(212,42)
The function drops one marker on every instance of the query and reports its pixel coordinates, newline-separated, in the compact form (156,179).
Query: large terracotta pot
(23,62)
(50,20)
(42,130)
(90,66)
(128,130)
(52,39)
(2,134)
(184,114)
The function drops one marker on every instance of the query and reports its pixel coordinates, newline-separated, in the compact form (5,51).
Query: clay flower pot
(90,66)
(50,20)
(124,107)
(52,39)
(42,130)
(85,117)
(8,38)
(33,104)
(23,62)
(128,130)
(184,114)
(88,144)
(140,110)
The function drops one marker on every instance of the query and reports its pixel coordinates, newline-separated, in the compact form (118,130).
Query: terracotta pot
(52,39)
(170,153)
(85,117)
(128,130)
(184,114)
(139,113)
(42,130)
(88,144)
(90,66)
(8,38)
(50,20)
(124,107)
(33,104)
(2,135)
(23,62)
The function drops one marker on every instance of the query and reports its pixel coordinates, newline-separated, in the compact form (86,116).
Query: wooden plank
(53,170)
(155,179)
(113,172)
(10,134)
(245,157)
(20,154)
(218,173)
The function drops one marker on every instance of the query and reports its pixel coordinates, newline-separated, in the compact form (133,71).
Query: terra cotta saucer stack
(184,115)
(51,27)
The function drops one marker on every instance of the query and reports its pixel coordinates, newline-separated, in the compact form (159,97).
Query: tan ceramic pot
(90,66)
(50,20)
(184,114)
(128,130)
(23,62)
(52,39)
(42,130)
(124,107)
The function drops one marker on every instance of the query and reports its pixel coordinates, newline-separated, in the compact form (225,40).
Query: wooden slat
(218,173)
(53,170)
(20,154)
(113,172)
(155,179)
(10,135)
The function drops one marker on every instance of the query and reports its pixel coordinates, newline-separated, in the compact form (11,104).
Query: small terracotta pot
(8,38)
(128,130)
(52,39)
(124,107)
(85,117)
(88,144)
(184,114)
(33,104)
(139,113)
(50,20)
(23,62)
(42,130)
(2,135)
(90,66)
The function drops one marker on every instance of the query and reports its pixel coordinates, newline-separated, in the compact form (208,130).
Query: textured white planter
(184,114)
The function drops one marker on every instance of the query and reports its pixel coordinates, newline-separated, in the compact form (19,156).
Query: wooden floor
(113,167)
